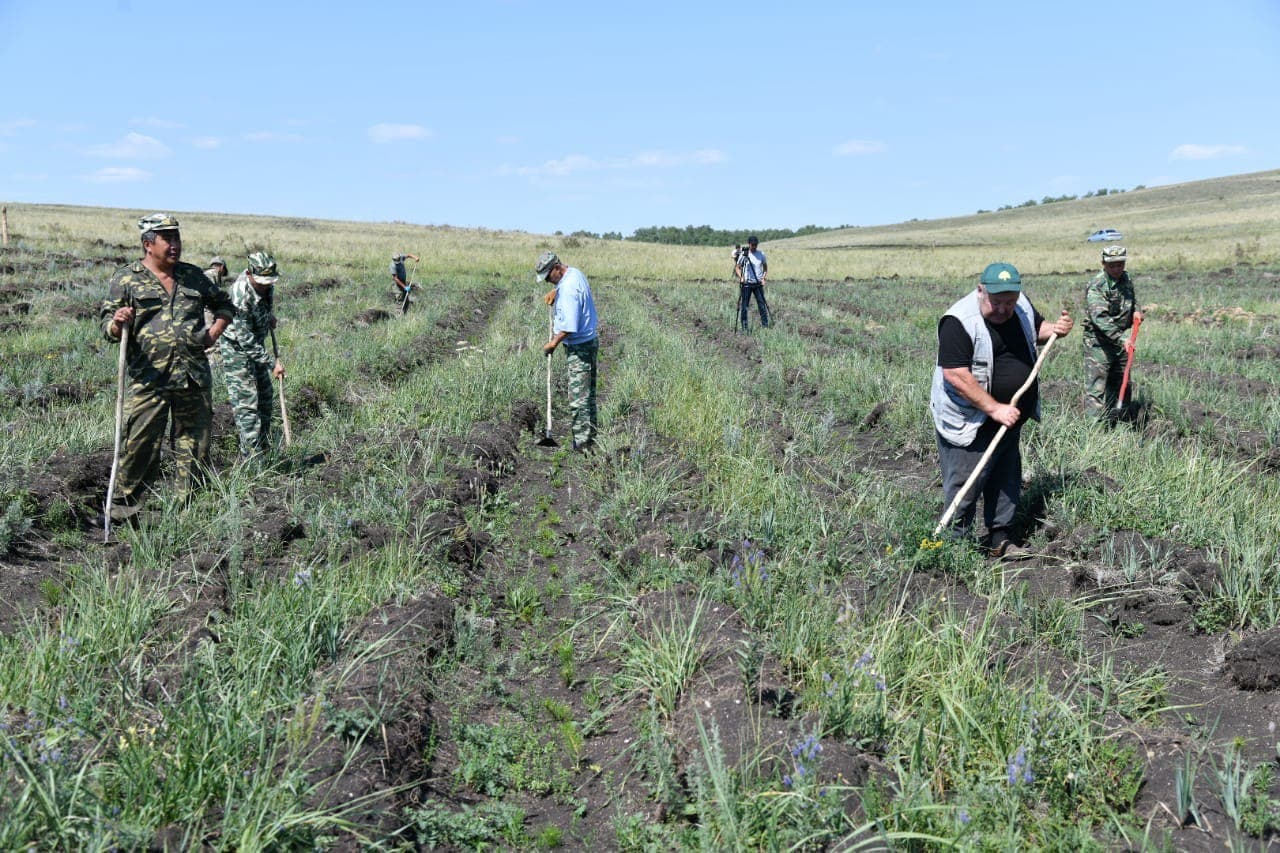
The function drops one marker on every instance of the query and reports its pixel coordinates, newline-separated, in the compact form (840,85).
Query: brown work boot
(1009,551)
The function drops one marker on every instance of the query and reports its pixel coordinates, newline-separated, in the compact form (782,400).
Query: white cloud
(643,160)
(30,176)
(271,136)
(701,157)
(1205,152)
(134,146)
(9,128)
(157,123)
(381,133)
(206,142)
(859,148)
(118,175)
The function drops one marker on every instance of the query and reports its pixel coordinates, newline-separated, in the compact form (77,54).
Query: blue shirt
(575,309)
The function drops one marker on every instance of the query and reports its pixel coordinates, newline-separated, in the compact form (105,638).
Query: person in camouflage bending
(216,272)
(246,364)
(1110,312)
(162,302)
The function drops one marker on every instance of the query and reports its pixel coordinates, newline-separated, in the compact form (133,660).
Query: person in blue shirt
(575,327)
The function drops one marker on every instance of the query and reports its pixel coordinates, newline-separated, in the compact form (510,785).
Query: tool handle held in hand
(115,456)
(1128,362)
(991,448)
(284,408)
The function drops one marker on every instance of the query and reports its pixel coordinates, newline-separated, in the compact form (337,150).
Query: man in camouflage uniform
(574,326)
(216,271)
(162,301)
(1110,311)
(246,364)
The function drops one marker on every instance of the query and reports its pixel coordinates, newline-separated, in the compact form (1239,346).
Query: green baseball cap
(158,222)
(1001,278)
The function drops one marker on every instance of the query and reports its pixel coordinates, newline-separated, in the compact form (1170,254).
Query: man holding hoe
(400,280)
(246,364)
(986,353)
(160,302)
(1111,310)
(574,325)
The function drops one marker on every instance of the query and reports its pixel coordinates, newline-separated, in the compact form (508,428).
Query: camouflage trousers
(147,420)
(1103,374)
(580,359)
(252,397)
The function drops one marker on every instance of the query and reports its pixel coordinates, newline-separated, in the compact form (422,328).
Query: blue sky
(544,116)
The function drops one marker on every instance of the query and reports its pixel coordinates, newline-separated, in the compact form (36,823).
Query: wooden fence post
(4,226)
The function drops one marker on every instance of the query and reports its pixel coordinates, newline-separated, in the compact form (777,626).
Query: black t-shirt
(1012,358)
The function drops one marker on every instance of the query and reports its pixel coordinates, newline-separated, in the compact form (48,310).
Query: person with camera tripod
(753,273)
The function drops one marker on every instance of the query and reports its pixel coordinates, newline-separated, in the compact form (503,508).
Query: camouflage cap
(1001,278)
(217,261)
(547,261)
(158,222)
(1115,255)
(263,268)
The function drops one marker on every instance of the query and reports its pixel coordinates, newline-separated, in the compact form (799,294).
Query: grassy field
(730,628)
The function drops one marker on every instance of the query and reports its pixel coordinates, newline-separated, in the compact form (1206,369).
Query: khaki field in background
(1197,226)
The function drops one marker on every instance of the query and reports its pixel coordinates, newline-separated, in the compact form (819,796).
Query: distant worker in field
(400,280)
(1111,310)
(246,364)
(986,351)
(574,326)
(162,301)
(216,272)
(753,274)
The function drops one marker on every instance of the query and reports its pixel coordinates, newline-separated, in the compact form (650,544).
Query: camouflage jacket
(245,336)
(214,276)
(1108,309)
(166,339)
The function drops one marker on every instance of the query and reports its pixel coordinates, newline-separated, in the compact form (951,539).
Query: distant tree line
(1052,199)
(705,235)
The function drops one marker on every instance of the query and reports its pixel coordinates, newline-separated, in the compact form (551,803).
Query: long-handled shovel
(408,287)
(284,409)
(991,448)
(115,456)
(547,440)
(1133,339)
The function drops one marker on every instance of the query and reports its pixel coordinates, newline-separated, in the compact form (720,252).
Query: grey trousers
(999,485)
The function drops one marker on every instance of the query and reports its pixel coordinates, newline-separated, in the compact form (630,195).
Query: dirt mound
(381,706)
(71,482)
(306,288)
(369,316)
(40,396)
(1255,663)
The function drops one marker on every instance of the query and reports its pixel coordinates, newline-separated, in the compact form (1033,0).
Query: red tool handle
(1133,339)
